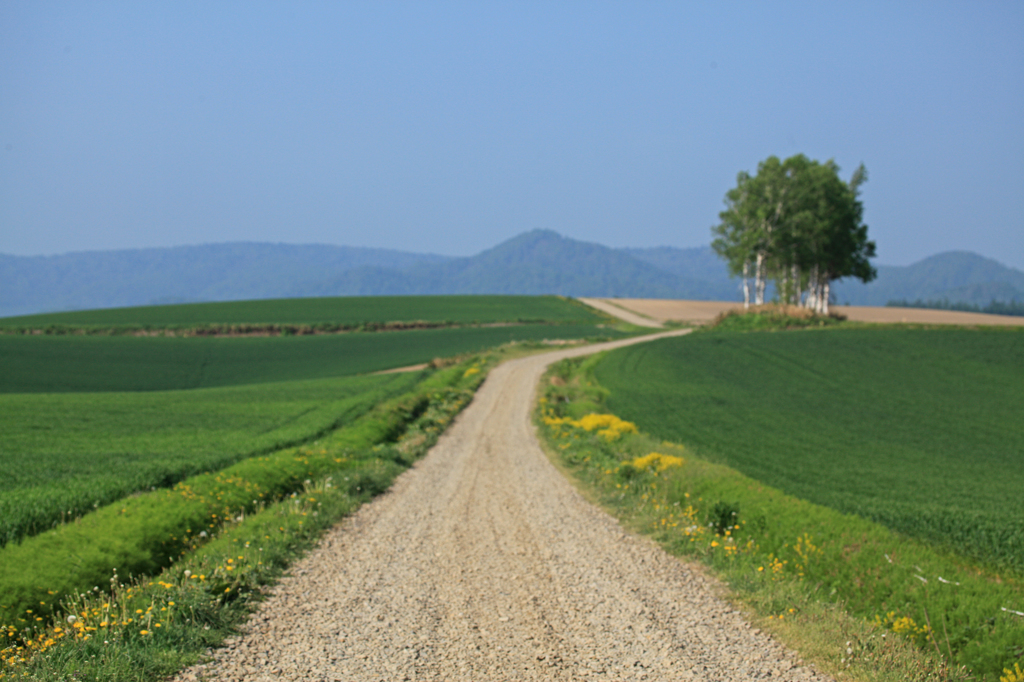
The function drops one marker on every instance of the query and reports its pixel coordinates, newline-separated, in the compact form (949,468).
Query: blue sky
(450,127)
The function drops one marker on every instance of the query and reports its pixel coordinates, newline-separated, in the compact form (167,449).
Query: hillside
(210,272)
(954,275)
(700,263)
(536,262)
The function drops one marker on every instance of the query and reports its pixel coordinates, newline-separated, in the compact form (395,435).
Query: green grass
(144,533)
(167,442)
(45,364)
(152,627)
(814,576)
(919,430)
(315,311)
(64,454)
(772,317)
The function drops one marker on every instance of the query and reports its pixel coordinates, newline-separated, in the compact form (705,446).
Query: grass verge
(64,455)
(860,601)
(102,626)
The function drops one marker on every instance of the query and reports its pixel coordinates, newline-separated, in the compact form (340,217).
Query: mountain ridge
(535,262)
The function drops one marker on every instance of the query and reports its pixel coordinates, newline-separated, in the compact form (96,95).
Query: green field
(280,497)
(47,364)
(88,419)
(314,311)
(857,599)
(919,430)
(63,454)
(140,452)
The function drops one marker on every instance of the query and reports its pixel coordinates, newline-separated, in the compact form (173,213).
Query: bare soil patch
(926,316)
(614,308)
(702,312)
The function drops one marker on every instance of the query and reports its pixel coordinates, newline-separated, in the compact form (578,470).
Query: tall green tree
(748,233)
(797,223)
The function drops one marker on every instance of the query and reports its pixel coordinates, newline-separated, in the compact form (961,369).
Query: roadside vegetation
(865,515)
(66,454)
(141,588)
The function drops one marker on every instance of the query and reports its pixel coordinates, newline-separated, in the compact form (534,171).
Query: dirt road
(484,563)
(609,306)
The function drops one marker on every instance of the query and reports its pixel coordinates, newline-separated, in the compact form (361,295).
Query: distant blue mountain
(959,276)
(211,272)
(537,262)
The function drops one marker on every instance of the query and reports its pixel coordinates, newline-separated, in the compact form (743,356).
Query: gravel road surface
(484,563)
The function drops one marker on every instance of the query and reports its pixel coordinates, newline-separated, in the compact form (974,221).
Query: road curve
(484,563)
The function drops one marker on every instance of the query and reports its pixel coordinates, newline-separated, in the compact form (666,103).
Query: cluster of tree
(798,224)
(1013,307)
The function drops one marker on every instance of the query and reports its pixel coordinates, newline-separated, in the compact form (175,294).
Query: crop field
(89,423)
(88,419)
(336,310)
(864,601)
(185,565)
(917,429)
(42,364)
(64,454)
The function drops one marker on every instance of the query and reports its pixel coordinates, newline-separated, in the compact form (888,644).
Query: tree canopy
(797,223)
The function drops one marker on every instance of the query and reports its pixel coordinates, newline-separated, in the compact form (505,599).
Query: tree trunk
(759,283)
(746,284)
(825,294)
(797,294)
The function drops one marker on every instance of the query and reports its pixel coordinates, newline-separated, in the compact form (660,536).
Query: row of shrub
(252,329)
(788,557)
(772,316)
(169,530)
